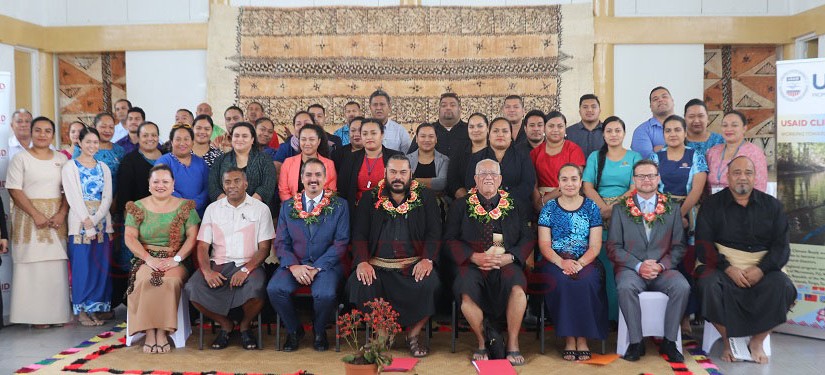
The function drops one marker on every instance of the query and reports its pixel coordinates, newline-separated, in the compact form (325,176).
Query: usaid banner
(800,162)
(5,130)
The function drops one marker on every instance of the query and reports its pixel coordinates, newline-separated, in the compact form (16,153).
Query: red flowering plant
(383,322)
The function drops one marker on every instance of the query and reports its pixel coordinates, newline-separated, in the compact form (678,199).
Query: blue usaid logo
(793,85)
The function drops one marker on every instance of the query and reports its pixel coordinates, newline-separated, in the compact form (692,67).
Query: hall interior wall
(173,32)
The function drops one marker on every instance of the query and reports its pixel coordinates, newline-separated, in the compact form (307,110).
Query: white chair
(711,335)
(184,328)
(653,306)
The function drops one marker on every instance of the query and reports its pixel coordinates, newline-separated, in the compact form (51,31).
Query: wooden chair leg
(454,333)
(277,332)
(337,328)
(260,332)
(200,330)
(541,330)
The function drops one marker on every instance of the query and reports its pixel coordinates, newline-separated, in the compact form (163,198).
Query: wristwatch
(177,258)
(245,270)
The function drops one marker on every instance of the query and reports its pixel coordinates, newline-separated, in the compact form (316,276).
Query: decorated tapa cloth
(289,58)
(41,270)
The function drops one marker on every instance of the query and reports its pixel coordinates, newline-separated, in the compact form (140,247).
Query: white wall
(106,12)
(161,82)
(6,65)
(639,68)
(648,8)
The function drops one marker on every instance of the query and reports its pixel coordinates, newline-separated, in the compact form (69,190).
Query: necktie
(310,206)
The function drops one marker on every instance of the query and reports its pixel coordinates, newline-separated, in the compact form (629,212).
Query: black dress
(133,179)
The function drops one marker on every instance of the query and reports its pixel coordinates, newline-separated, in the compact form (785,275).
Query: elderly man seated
(240,230)
(742,239)
(489,239)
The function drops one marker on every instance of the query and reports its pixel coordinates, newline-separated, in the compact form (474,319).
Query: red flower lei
(311,217)
(384,202)
(662,208)
(505,204)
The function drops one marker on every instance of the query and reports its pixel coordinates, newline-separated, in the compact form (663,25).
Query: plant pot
(351,369)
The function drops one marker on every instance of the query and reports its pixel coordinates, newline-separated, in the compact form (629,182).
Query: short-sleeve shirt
(617,176)
(703,147)
(154,229)
(39,179)
(677,175)
(570,229)
(235,232)
(547,166)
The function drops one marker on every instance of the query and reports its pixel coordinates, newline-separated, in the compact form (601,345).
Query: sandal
(517,358)
(480,355)
(569,355)
(221,341)
(248,340)
(583,355)
(417,349)
(149,349)
(163,349)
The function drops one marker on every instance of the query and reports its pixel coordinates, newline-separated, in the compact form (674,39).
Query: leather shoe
(669,349)
(292,340)
(321,344)
(634,352)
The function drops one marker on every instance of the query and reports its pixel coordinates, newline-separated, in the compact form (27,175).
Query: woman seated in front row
(160,231)
(570,239)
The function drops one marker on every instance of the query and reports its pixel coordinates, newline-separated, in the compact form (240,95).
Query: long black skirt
(412,300)
(490,290)
(745,311)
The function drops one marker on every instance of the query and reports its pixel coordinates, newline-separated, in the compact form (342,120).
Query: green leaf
(349,358)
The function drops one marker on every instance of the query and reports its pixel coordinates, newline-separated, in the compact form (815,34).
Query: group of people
(469,207)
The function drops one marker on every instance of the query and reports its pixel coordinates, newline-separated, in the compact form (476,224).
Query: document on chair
(739,348)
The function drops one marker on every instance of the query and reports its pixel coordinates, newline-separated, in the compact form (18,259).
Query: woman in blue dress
(108,152)
(698,137)
(570,240)
(684,172)
(190,170)
(87,184)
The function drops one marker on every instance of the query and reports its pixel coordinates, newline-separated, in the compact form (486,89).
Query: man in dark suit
(312,237)
(646,243)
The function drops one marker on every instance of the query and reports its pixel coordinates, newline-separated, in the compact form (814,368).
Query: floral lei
(411,203)
(505,204)
(662,208)
(311,217)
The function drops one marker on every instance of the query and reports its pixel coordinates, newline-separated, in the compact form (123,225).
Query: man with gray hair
(21,137)
(742,242)
(395,240)
(489,239)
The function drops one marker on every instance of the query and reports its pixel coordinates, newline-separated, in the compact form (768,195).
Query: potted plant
(373,355)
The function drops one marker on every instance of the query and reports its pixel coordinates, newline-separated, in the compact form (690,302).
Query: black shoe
(634,352)
(321,344)
(292,340)
(669,349)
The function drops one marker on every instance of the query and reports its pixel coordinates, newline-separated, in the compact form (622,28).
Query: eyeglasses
(646,176)
(488,174)
(181,125)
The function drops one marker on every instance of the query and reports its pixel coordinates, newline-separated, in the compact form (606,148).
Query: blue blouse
(677,175)
(570,229)
(111,157)
(191,182)
(703,147)
(91,181)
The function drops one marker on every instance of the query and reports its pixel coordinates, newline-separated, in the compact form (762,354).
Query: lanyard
(722,162)
(371,167)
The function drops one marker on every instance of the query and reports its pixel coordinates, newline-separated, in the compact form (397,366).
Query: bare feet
(86,320)
(757,353)
(150,343)
(727,352)
(162,340)
(686,328)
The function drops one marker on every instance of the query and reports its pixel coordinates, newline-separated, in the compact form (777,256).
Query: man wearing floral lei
(490,282)
(313,233)
(645,244)
(396,236)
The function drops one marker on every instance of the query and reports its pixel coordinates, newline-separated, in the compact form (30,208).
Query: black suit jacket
(348,174)
(464,234)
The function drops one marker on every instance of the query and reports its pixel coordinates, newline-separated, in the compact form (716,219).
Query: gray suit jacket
(442,163)
(627,243)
